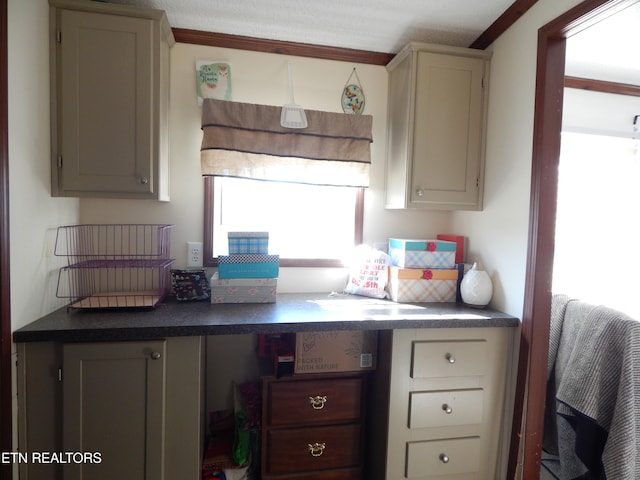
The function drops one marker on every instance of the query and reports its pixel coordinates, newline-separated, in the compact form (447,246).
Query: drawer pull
(447,409)
(317,402)
(450,358)
(443,458)
(316,449)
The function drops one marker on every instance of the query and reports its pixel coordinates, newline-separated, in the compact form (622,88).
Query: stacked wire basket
(114,265)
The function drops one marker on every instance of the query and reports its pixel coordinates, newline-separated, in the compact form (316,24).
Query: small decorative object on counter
(190,284)
(476,288)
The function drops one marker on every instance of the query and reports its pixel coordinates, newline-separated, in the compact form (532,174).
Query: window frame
(210,261)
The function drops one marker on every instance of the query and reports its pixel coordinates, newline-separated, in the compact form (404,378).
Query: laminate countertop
(295,312)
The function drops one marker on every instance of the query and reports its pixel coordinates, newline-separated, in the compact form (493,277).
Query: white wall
(262,78)
(498,236)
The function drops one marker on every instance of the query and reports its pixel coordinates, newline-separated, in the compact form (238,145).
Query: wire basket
(114,265)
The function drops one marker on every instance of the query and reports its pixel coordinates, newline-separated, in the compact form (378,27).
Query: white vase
(476,288)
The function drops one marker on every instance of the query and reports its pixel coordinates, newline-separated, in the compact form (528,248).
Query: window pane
(303,221)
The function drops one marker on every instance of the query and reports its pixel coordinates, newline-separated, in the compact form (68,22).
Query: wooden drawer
(289,449)
(340,474)
(435,359)
(300,402)
(443,457)
(446,408)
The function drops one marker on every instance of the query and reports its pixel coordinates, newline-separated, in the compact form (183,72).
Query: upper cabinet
(110,100)
(436,135)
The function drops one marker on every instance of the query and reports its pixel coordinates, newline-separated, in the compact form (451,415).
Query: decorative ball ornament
(476,288)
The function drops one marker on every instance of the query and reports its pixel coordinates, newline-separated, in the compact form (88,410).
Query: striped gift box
(422,285)
(248,242)
(422,253)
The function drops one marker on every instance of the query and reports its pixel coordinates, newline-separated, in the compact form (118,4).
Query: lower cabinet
(447,405)
(313,427)
(129,410)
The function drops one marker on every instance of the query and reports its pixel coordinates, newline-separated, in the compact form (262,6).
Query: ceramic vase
(476,288)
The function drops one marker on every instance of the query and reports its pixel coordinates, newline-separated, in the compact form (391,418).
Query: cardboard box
(422,285)
(248,265)
(243,290)
(248,242)
(336,351)
(422,253)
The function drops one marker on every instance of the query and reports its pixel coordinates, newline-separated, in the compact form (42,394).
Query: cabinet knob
(443,458)
(419,192)
(447,409)
(450,358)
(155,355)
(143,180)
(317,402)
(316,449)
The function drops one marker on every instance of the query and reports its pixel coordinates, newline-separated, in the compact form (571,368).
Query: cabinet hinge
(60,374)
(477,182)
(59,36)
(59,161)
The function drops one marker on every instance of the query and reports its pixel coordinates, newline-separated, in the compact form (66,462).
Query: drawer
(298,402)
(291,450)
(340,474)
(434,359)
(446,408)
(443,457)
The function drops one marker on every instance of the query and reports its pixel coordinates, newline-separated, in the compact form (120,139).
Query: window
(308,225)
(596,226)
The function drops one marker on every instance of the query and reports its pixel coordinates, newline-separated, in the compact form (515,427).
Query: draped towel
(246,140)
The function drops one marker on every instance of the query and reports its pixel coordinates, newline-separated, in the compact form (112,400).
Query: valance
(246,140)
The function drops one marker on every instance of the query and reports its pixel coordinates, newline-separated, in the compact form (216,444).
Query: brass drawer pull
(447,409)
(316,449)
(317,402)
(443,458)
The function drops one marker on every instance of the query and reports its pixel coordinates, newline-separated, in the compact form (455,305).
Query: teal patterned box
(407,253)
(249,265)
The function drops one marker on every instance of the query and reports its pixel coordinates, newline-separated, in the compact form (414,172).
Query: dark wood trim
(602,86)
(528,423)
(5,308)
(199,37)
(502,23)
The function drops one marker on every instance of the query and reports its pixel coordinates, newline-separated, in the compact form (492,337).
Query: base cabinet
(447,402)
(131,409)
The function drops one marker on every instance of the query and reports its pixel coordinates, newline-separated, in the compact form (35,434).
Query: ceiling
(606,51)
(374,25)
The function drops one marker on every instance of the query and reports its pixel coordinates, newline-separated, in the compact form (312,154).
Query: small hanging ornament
(353,95)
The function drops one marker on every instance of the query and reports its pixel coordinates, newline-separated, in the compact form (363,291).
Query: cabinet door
(447,137)
(114,402)
(105,91)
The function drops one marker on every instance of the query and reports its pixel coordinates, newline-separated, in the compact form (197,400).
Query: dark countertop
(291,313)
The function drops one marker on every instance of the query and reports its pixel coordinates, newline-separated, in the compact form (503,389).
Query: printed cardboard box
(414,285)
(243,290)
(248,242)
(336,351)
(249,265)
(422,253)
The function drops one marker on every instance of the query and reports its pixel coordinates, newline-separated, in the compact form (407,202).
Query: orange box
(336,351)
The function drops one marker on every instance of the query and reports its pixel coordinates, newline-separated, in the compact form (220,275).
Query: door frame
(527,429)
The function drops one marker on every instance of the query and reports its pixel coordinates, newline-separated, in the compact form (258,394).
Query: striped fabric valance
(246,140)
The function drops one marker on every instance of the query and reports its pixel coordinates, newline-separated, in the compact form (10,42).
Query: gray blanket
(596,372)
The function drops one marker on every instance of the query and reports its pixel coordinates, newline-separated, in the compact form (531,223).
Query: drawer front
(291,450)
(443,457)
(435,359)
(446,408)
(314,401)
(341,474)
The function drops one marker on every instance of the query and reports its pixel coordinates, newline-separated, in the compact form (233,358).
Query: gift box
(243,290)
(422,285)
(422,253)
(248,265)
(248,242)
(336,351)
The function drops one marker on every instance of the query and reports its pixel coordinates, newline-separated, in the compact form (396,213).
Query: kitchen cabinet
(446,410)
(135,409)
(313,427)
(109,100)
(436,128)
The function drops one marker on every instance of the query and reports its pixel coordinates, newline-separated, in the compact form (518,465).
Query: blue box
(422,253)
(249,265)
(248,242)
